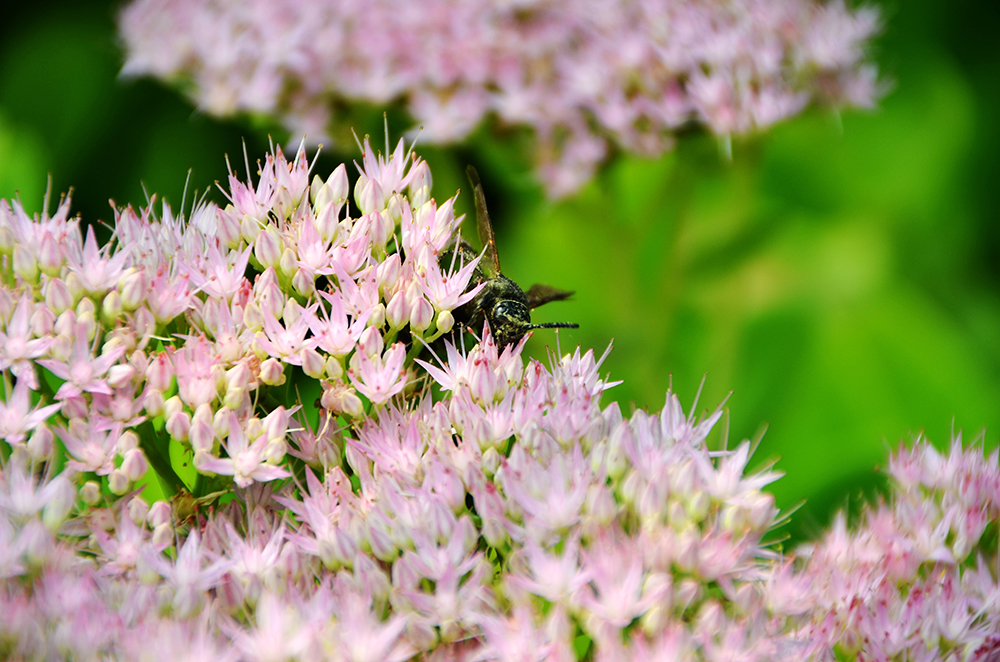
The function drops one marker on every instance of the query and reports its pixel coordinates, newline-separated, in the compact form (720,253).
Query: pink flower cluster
(918,579)
(357,494)
(585,75)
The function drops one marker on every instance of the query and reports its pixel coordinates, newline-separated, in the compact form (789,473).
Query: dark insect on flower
(501,301)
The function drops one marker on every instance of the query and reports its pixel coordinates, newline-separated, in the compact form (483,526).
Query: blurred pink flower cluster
(586,75)
(350,494)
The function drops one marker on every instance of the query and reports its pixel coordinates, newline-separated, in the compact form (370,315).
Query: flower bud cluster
(259,362)
(585,75)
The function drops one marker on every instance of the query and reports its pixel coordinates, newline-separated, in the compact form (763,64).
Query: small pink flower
(83,371)
(247,460)
(379,378)
(18,417)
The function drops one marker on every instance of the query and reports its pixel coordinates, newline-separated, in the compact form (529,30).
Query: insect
(501,301)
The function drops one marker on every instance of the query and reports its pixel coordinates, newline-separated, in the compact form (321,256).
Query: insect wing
(542,294)
(490,258)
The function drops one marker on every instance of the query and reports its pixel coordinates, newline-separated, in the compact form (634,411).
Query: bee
(501,301)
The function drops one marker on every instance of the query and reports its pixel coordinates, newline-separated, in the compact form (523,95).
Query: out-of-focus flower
(584,75)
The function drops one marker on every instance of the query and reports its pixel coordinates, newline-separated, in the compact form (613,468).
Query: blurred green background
(839,277)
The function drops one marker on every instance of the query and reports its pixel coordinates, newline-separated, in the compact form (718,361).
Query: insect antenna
(555,325)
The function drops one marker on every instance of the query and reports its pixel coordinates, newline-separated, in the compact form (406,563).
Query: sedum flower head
(586,76)
(343,499)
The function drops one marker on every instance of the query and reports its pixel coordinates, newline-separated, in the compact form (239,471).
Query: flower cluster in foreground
(585,75)
(341,482)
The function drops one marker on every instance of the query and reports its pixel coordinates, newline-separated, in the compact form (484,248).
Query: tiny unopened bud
(397,313)
(255,428)
(276,424)
(288,265)
(304,283)
(172,406)
(334,368)
(381,229)
(283,203)
(134,464)
(372,198)
(234,397)
(388,272)
(317,194)
(40,444)
(274,452)
(698,504)
(61,496)
(118,482)
(57,296)
(338,184)
(6,240)
(160,372)
(421,314)
(421,183)
(111,307)
(127,441)
(75,285)
(201,436)
(137,510)
(491,460)
(90,493)
(328,221)
(153,402)
(377,318)
(250,227)
(163,534)
(445,321)
(272,372)
(221,422)
(50,256)
(394,210)
(120,375)
(178,425)
(229,228)
(133,288)
(312,362)
(370,342)
(253,317)
(159,513)
(267,247)
(25,264)
(77,407)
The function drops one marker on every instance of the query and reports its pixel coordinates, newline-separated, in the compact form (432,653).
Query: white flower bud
(421,314)
(250,227)
(126,442)
(40,445)
(272,372)
(153,403)
(397,313)
(25,265)
(90,493)
(178,425)
(134,464)
(338,184)
(120,375)
(304,283)
(118,482)
(133,288)
(268,247)
(445,321)
(312,362)
(57,296)
(50,256)
(159,513)
(163,534)
(137,510)
(111,307)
